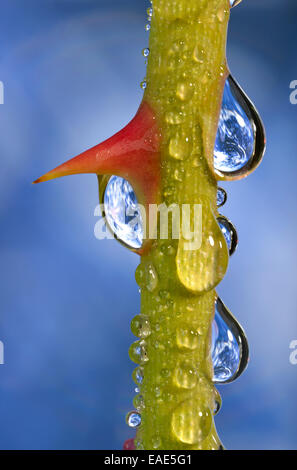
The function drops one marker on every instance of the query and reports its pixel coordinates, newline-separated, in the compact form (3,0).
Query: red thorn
(132,153)
(129,444)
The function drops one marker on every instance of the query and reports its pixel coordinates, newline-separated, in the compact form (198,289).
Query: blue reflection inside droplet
(221,197)
(122,212)
(233,3)
(235,139)
(226,353)
(227,232)
(134,419)
(139,375)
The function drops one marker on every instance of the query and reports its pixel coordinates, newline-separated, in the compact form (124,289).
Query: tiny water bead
(184,91)
(156,442)
(240,140)
(147,27)
(138,353)
(133,419)
(191,422)
(217,403)
(145,52)
(187,338)
(149,13)
(217,408)
(138,402)
(185,376)
(199,55)
(146,276)
(143,84)
(138,375)
(180,147)
(230,350)
(229,232)
(140,326)
(174,117)
(139,444)
(122,212)
(221,197)
(221,14)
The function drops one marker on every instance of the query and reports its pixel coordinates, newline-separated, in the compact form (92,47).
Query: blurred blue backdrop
(71,71)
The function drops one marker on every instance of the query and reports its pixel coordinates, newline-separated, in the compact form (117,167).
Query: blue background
(71,71)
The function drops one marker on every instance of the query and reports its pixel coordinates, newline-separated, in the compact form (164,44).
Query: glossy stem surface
(185,78)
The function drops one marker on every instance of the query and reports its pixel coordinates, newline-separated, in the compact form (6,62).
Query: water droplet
(221,14)
(229,232)
(223,70)
(168,250)
(233,3)
(191,422)
(133,419)
(180,147)
(143,84)
(185,376)
(187,338)
(206,77)
(217,402)
(184,91)
(138,353)
(165,373)
(140,326)
(199,55)
(149,12)
(145,52)
(147,27)
(174,117)
(157,392)
(168,190)
(178,175)
(240,140)
(230,351)
(214,442)
(139,444)
(202,261)
(221,197)
(138,402)
(164,294)
(122,212)
(156,442)
(146,276)
(129,444)
(138,375)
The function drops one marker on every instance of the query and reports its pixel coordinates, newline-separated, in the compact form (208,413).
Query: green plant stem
(185,78)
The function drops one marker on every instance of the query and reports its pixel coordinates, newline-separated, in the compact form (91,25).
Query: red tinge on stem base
(132,153)
(129,444)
